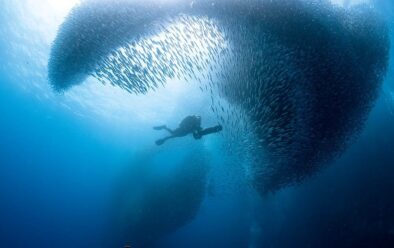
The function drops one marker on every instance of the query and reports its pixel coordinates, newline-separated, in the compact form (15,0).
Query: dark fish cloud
(92,31)
(306,73)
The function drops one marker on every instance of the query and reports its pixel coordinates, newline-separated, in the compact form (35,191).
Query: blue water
(74,166)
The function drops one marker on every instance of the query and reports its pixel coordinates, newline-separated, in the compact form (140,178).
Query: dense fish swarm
(177,52)
(293,80)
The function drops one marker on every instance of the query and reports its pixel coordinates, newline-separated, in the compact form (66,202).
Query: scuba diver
(190,125)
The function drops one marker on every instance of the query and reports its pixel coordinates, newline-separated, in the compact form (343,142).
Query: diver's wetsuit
(190,125)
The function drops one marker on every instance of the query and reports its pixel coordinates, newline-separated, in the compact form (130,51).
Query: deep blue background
(57,175)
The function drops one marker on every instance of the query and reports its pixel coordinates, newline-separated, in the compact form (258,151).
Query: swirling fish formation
(304,74)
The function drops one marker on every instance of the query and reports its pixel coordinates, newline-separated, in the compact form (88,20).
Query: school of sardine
(292,83)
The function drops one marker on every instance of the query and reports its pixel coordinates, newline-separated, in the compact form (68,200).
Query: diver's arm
(198,134)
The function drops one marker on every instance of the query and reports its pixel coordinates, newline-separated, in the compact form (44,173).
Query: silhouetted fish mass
(299,77)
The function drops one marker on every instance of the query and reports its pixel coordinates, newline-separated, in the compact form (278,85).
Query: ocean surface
(79,166)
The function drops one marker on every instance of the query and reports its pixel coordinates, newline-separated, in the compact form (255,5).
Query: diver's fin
(160,142)
(160,127)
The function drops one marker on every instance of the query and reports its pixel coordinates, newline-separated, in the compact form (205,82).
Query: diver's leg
(163,127)
(161,141)
(169,130)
